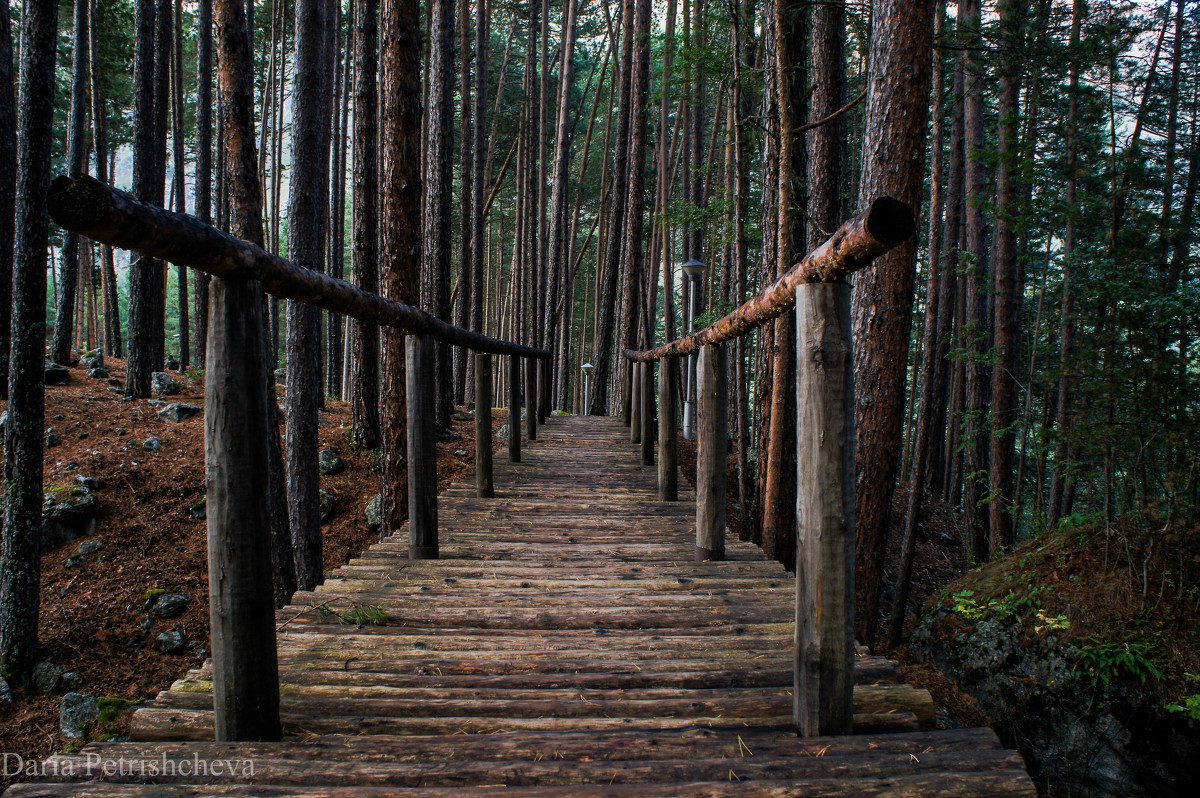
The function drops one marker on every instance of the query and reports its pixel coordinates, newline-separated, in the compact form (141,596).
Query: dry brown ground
(89,613)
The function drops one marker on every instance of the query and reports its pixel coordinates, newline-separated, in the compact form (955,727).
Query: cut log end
(890,221)
(76,203)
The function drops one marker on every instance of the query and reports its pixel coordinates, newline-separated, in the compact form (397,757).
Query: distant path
(566,638)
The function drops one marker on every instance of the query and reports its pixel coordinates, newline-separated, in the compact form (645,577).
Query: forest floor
(92,607)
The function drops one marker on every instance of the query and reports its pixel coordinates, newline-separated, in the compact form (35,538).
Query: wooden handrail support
(817,287)
(245,675)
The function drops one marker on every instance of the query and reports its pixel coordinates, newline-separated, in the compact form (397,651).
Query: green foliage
(1102,660)
(1188,706)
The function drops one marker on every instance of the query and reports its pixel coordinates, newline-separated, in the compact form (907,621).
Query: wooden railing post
(668,453)
(245,676)
(711,458)
(514,408)
(422,448)
(543,390)
(626,392)
(483,426)
(647,412)
(823,692)
(531,402)
(635,402)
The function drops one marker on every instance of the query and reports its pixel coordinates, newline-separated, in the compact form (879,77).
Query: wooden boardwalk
(565,645)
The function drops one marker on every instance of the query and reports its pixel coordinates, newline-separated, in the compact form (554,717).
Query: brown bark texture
(893,163)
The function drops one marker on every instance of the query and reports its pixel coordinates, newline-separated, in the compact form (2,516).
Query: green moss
(153,593)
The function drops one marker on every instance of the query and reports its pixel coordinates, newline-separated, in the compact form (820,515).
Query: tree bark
(180,180)
(20,549)
(1067,347)
(602,344)
(464,363)
(438,178)
(60,351)
(400,239)
(143,282)
(975,330)
(8,186)
(306,229)
(364,338)
(1007,287)
(893,163)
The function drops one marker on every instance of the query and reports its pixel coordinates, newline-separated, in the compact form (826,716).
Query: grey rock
(178,411)
(75,561)
(71,681)
(77,711)
(446,435)
(151,444)
(56,374)
(92,359)
(374,514)
(502,433)
(329,463)
(171,642)
(461,452)
(46,677)
(157,402)
(91,546)
(136,642)
(326,507)
(98,373)
(5,691)
(69,507)
(170,605)
(90,483)
(53,439)
(461,416)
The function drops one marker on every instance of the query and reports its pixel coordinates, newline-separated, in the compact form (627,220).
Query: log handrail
(84,205)
(886,223)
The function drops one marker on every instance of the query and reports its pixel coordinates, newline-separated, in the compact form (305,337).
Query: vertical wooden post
(241,600)
(514,408)
(710,460)
(635,402)
(668,453)
(626,392)
(647,413)
(531,398)
(543,390)
(422,448)
(483,426)
(823,701)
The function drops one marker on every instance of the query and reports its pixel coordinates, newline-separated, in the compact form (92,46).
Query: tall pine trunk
(306,239)
(76,162)
(439,149)
(893,164)
(20,548)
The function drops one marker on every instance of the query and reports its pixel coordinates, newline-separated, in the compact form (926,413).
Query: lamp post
(587,368)
(694,270)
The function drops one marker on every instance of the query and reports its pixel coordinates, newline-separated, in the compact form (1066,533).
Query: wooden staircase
(564,645)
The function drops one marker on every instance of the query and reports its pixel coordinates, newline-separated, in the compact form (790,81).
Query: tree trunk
(602,345)
(143,281)
(893,164)
(1008,289)
(8,186)
(20,549)
(438,178)
(399,221)
(464,362)
(112,308)
(1067,346)
(975,330)
(306,231)
(181,275)
(479,173)
(76,162)
(364,338)
(779,491)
